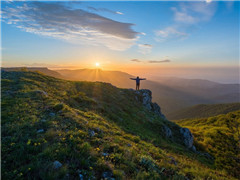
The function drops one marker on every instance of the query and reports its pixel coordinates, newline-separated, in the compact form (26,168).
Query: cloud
(186,16)
(145,48)
(169,33)
(72,25)
(151,61)
(194,12)
(105,10)
(162,61)
(136,60)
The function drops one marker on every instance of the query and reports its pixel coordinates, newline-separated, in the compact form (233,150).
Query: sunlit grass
(131,146)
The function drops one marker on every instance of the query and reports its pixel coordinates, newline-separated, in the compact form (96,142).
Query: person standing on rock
(138,81)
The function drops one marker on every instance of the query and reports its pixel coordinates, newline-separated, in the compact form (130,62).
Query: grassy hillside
(57,129)
(220,136)
(204,110)
(43,70)
(172,94)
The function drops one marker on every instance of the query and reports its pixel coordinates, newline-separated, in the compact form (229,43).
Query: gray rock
(57,164)
(80,176)
(40,131)
(187,137)
(167,131)
(51,114)
(194,149)
(91,133)
(43,93)
(105,154)
(43,120)
(129,145)
(146,100)
(207,155)
(172,160)
(157,110)
(107,175)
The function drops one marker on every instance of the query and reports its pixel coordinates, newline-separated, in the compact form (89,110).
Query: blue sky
(144,36)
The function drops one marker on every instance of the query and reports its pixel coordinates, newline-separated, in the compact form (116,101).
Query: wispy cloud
(194,12)
(186,15)
(104,10)
(72,25)
(169,33)
(151,61)
(162,61)
(145,48)
(136,60)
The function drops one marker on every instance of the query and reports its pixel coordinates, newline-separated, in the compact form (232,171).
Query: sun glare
(97,64)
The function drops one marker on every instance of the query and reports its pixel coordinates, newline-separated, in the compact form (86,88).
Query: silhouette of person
(138,81)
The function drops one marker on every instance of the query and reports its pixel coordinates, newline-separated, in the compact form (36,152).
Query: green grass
(127,141)
(220,136)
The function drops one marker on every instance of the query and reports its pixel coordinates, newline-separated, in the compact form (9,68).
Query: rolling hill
(59,129)
(172,94)
(218,135)
(204,110)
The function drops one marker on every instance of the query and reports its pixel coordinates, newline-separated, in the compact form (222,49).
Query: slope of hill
(204,110)
(172,94)
(58,129)
(220,136)
(43,70)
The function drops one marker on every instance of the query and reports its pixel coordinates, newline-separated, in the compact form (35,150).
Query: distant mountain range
(172,94)
(204,111)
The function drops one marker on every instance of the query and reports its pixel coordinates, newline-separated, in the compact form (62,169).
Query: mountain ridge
(65,129)
(171,95)
(204,110)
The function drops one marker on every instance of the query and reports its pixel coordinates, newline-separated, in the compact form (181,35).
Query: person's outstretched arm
(132,78)
(143,79)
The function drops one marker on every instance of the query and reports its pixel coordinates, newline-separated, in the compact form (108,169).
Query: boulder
(43,120)
(57,164)
(40,131)
(107,175)
(145,97)
(43,93)
(193,148)
(157,110)
(80,176)
(167,131)
(172,160)
(52,114)
(91,133)
(187,137)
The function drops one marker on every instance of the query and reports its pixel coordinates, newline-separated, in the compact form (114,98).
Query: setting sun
(97,64)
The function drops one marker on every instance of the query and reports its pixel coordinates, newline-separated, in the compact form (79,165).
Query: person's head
(137,77)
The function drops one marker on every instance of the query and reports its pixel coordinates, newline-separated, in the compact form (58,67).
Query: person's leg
(136,86)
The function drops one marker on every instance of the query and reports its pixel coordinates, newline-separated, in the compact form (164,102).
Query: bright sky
(150,38)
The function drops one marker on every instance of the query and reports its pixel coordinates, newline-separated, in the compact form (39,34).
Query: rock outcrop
(167,131)
(187,137)
(57,164)
(145,96)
